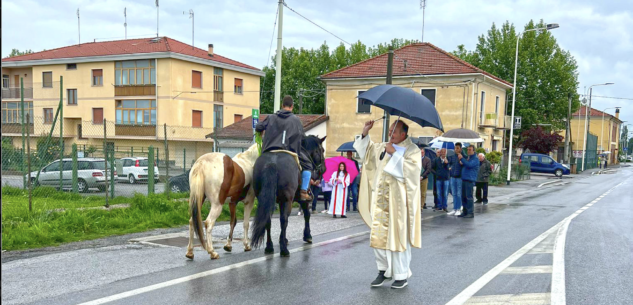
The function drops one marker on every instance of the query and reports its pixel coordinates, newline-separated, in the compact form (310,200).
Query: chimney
(617,113)
(210,49)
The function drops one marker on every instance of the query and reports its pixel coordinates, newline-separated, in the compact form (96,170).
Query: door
(50,174)
(548,165)
(16,81)
(67,168)
(535,164)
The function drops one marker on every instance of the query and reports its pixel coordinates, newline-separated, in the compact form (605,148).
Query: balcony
(218,96)
(16,128)
(135,130)
(488,120)
(134,90)
(14,93)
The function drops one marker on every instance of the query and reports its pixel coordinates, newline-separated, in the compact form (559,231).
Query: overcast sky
(597,33)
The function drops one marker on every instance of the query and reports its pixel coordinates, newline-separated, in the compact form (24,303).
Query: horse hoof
(189,256)
(285,253)
(247,248)
(228,248)
(269,251)
(308,240)
(214,255)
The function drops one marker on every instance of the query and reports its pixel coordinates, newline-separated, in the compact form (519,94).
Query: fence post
(74,155)
(112,176)
(105,152)
(61,132)
(150,171)
(23,130)
(28,163)
(132,151)
(184,160)
(167,186)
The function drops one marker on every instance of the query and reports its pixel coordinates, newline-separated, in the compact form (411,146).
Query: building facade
(464,96)
(604,126)
(136,86)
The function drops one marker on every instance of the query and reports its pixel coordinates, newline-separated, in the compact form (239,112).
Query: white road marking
(550,182)
(528,270)
(506,299)
(558,267)
(183,279)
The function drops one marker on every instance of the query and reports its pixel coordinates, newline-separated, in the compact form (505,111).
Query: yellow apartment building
(602,125)
(465,96)
(136,86)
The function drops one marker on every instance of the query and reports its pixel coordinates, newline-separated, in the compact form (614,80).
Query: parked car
(134,169)
(540,163)
(180,183)
(90,174)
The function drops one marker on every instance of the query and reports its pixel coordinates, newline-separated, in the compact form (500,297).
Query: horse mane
(311,142)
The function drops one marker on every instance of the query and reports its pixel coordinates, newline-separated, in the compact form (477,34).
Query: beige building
(135,86)
(465,96)
(604,126)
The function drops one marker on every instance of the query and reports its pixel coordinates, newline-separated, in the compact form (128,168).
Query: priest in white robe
(389,201)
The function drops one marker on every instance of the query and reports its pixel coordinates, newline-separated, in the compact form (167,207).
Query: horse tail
(196,198)
(266,203)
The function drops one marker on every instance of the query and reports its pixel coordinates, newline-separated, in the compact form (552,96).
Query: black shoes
(380,279)
(399,284)
(469,216)
(478,201)
(343,216)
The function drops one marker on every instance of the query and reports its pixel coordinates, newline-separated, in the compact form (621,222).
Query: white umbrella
(460,135)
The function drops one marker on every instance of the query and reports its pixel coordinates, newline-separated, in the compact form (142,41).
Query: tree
(547,75)
(16,52)
(301,68)
(540,141)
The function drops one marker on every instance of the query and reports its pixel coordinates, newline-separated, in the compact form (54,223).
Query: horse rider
(284,131)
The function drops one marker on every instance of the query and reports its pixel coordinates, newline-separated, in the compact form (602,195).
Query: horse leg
(285,210)
(269,243)
(228,247)
(216,210)
(189,254)
(306,217)
(248,207)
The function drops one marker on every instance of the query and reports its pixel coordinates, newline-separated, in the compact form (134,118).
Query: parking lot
(121,188)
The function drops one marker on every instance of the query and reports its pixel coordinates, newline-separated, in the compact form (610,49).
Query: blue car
(540,163)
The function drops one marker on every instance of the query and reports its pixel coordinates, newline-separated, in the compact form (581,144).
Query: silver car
(91,173)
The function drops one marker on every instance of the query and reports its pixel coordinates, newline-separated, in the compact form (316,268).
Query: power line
(610,97)
(341,39)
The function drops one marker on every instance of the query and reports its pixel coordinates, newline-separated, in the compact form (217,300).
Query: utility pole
(300,101)
(192,26)
(587,125)
(278,59)
(568,132)
(385,126)
(78,26)
(125,23)
(423,7)
(157,11)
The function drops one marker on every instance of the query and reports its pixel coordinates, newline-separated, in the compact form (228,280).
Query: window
(196,79)
(217,79)
(482,106)
(97,115)
(136,112)
(430,94)
(11,112)
(134,72)
(5,81)
(196,119)
(217,116)
(547,160)
(362,106)
(495,143)
(497,105)
(67,166)
(533,158)
(97,77)
(53,167)
(238,86)
(71,66)
(237,118)
(47,79)
(72,96)
(48,115)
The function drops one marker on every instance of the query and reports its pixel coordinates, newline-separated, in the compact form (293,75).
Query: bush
(480,150)
(494,157)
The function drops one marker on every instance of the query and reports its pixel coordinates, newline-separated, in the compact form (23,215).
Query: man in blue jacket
(456,180)
(470,169)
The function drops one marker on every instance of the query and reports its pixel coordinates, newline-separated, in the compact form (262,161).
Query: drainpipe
(156,87)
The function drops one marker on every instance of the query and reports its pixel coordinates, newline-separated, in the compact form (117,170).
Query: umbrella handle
(382,156)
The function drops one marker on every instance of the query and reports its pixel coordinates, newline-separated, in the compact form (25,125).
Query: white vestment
(338,201)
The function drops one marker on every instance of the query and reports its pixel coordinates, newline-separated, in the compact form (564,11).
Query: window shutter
(196,118)
(196,79)
(97,72)
(97,115)
(238,82)
(237,118)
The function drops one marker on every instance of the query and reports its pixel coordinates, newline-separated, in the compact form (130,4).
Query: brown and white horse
(219,178)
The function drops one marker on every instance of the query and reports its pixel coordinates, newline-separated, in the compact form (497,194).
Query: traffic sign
(255,121)
(626,148)
(517,122)
(255,117)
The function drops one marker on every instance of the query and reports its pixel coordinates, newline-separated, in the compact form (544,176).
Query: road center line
(183,279)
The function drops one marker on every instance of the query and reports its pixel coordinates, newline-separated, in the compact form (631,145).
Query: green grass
(44,227)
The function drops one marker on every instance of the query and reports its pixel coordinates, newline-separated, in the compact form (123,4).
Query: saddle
(294,155)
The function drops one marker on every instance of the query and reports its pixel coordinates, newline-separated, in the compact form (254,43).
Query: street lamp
(549,26)
(587,119)
(602,131)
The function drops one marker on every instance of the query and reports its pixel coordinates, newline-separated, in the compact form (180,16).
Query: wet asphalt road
(455,254)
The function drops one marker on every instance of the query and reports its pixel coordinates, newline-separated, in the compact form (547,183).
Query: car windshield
(142,162)
(100,165)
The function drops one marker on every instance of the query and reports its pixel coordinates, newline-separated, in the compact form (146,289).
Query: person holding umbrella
(456,180)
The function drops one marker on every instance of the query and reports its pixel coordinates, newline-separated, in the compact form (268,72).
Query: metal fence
(591,154)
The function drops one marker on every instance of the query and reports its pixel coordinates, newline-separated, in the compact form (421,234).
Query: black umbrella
(404,102)
(347,146)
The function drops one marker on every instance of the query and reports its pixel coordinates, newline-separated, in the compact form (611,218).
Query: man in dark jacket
(482,179)
(440,170)
(424,176)
(284,131)
(456,180)
(470,168)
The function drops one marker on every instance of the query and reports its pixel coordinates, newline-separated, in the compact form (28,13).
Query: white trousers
(395,264)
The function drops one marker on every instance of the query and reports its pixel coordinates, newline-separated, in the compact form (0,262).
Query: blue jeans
(353,192)
(467,196)
(442,194)
(316,190)
(305,180)
(456,190)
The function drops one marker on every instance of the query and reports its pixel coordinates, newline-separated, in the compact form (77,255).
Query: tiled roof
(244,128)
(125,47)
(582,111)
(421,58)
